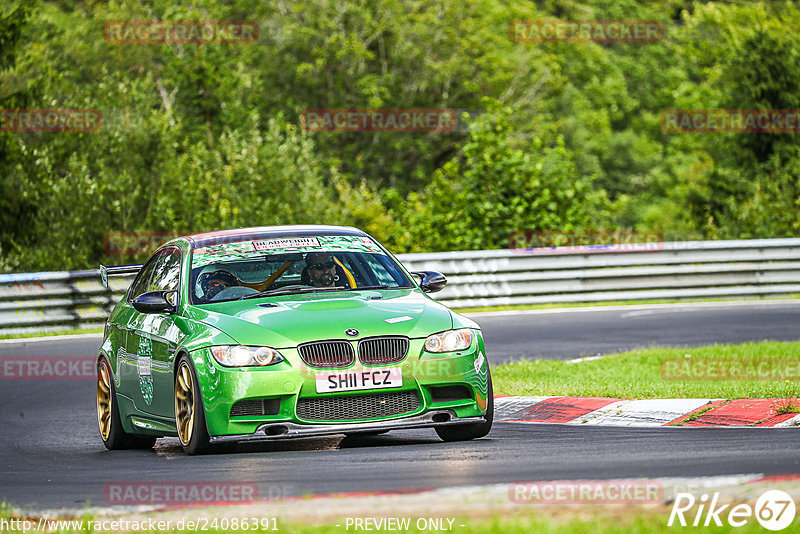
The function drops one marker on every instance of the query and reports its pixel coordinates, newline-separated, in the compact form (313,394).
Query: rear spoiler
(117,270)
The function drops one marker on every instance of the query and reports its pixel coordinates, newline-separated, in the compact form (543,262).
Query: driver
(214,283)
(321,269)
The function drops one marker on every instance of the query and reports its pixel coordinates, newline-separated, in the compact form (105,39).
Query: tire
(113,435)
(470,431)
(190,418)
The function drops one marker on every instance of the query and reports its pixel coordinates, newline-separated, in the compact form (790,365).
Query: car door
(127,371)
(158,337)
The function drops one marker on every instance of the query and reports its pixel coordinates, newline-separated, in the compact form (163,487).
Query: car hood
(288,320)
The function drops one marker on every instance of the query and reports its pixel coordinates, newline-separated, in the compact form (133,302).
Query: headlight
(239,356)
(449,341)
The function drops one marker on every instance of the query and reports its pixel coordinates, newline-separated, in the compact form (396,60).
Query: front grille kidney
(329,353)
(382,350)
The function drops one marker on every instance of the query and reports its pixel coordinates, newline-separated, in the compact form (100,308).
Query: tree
(496,186)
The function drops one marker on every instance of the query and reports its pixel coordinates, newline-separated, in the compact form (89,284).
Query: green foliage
(564,137)
(496,186)
(250,177)
(743,57)
(17,207)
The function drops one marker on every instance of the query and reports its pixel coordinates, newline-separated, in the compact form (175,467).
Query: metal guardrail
(39,302)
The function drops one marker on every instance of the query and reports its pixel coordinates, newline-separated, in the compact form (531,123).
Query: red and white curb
(644,413)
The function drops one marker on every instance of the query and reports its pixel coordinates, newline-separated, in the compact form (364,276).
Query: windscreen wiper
(288,290)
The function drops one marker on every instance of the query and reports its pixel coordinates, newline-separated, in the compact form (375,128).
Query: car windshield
(254,268)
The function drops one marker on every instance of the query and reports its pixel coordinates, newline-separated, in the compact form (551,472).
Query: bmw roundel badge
(352,332)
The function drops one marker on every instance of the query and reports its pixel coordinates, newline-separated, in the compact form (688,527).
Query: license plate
(360,379)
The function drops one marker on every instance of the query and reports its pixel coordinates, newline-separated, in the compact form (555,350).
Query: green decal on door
(144,358)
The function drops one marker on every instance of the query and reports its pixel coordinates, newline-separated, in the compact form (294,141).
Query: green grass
(790,405)
(579,522)
(637,375)
(554,305)
(695,415)
(57,333)
(561,520)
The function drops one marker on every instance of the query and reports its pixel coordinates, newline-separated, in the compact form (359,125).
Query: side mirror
(155,302)
(431,281)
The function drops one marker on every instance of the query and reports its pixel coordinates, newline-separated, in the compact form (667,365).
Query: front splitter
(269,431)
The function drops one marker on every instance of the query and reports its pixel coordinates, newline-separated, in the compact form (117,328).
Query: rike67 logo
(774,510)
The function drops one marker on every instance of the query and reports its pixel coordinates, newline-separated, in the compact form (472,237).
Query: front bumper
(291,381)
(293,430)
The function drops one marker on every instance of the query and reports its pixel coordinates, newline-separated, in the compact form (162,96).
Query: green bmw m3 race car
(279,332)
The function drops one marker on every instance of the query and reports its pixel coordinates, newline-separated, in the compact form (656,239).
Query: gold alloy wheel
(184,403)
(104,399)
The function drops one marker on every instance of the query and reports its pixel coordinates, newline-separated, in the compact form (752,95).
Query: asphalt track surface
(52,457)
